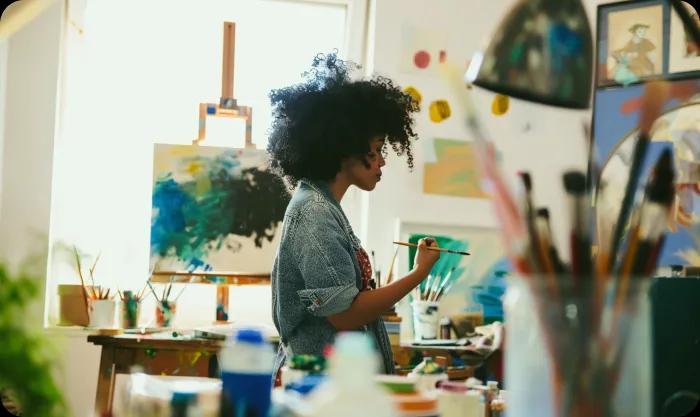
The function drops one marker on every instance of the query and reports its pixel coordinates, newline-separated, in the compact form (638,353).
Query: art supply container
(165,312)
(578,348)
(425,319)
(101,313)
(130,308)
(428,374)
(246,362)
(457,400)
(71,305)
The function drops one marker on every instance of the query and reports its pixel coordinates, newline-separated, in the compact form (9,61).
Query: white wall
(27,131)
(553,143)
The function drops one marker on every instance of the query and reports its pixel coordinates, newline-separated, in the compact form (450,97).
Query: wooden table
(157,354)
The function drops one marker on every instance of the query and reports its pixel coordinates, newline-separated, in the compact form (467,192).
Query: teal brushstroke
(447,261)
(189,222)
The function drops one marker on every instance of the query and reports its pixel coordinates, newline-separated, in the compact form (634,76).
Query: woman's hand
(425,259)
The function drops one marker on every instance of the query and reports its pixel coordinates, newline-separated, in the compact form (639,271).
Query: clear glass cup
(578,348)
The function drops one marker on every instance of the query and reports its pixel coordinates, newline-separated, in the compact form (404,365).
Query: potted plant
(26,356)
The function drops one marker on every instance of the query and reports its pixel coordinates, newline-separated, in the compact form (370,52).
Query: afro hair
(327,118)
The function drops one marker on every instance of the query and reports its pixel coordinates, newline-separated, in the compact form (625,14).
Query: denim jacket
(316,274)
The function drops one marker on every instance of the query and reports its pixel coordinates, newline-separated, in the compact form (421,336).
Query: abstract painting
(615,119)
(454,171)
(480,274)
(214,209)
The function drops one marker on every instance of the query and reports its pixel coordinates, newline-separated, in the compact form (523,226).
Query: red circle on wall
(421,59)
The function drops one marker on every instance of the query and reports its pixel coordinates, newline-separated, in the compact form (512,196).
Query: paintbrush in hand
(413,245)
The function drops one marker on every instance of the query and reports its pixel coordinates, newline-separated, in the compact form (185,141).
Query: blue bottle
(246,362)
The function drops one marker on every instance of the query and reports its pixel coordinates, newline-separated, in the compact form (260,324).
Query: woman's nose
(382,162)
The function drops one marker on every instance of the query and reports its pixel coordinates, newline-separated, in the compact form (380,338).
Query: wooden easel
(227,107)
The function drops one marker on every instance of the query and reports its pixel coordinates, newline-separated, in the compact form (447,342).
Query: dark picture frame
(632,42)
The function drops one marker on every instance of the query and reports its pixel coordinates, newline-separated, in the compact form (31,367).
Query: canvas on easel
(216,211)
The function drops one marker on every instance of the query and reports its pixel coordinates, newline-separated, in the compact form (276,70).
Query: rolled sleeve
(328,301)
(326,263)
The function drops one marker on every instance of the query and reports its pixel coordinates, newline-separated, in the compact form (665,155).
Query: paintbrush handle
(413,245)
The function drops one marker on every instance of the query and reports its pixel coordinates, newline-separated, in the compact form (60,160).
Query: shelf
(211,277)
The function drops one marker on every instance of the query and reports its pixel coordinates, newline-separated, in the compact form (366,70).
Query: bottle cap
(252,336)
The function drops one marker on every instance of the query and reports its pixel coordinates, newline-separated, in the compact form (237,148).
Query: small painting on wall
(214,209)
(453,170)
(631,43)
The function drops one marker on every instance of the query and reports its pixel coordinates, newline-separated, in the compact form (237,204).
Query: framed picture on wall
(684,54)
(631,42)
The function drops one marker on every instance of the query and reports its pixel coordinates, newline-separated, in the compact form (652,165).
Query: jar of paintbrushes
(425,301)
(575,349)
(165,305)
(130,309)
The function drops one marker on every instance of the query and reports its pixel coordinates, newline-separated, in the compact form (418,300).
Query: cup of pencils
(165,312)
(130,308)
(101,310)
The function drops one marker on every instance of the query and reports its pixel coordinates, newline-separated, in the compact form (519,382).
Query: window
(134,73)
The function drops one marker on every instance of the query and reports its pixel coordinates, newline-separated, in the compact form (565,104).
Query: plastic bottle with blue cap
(246,362)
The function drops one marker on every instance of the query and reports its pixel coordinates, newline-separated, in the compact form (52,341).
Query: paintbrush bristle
(661,186)
(527,180)
(575,182)
(543,212)
(655,93)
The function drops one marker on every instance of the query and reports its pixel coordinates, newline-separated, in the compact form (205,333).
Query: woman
(329,133)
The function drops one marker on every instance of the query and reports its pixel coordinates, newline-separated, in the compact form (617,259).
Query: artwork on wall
(214,209)
(453,171)
(643,39)
(615,119)
(422,50)
(631,43)
(684,54)
(480,274)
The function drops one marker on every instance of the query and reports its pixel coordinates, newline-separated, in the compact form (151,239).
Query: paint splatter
(421,59)
(414,93)
(439,111)
(443,56)
(195,212)
(500,105)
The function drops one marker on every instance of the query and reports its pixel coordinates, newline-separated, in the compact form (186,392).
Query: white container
(350,390)
(425,319)
(102,313)
(460,404)
(246,362)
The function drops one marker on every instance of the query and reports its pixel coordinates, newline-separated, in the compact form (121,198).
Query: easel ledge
(211,277)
